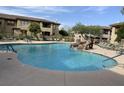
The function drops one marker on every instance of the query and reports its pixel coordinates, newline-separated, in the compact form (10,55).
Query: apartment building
(14,25)
(114,28)
(106,34)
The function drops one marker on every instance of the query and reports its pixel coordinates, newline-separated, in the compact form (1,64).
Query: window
(0,21)
(23,23)
(105,31)
(47,25)
(46,33)
(54,26)
(10,22)
(53,33)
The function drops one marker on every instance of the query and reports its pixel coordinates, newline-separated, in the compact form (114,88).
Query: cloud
(45,12)
(48,9)
(25,10)
(39,9)
(98,9)
(34,11)
(10,11)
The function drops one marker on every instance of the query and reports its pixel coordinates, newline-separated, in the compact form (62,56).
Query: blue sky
(70,15)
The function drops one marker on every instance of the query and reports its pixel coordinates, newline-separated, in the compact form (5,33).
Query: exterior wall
(0,28)
(25,26)
(8,29)
(53,28)
(1,25)
(17,33)
(113,35)
(107,36)
(44,29)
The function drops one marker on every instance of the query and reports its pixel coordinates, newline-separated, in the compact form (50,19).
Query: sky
(70,15)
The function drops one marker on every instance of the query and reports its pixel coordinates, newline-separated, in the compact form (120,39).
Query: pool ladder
(8,47)
(111,58)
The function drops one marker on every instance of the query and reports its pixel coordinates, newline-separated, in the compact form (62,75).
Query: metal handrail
(112,57)
(9,47)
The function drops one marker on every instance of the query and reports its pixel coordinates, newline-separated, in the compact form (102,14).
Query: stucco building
(114,29)
(14,25)
(106,34)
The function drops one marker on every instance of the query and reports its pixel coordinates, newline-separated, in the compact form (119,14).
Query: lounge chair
(119,49)
(106,45)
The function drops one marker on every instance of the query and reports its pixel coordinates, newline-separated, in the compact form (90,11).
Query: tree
(63,32)
(35,29)
(79,28)
(120,33)
(84,29)
(95,30)
(122,11)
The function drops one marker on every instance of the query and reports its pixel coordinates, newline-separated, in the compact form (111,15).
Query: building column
(113,35)
(3,26)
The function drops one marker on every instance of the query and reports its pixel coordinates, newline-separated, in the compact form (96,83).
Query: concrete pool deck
(110,53)
(13,73)
(32,42)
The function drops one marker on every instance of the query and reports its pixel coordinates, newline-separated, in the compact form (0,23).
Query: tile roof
(15,17)
(117,24)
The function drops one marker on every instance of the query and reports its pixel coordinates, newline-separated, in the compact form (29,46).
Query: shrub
(35,29)
(63,33)
(120,33)
(1,37)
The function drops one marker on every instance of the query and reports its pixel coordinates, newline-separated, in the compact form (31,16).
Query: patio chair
(111,46)
(100,44)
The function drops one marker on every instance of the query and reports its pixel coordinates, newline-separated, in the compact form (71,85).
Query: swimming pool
(61,57)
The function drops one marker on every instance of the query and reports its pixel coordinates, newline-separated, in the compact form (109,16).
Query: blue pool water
(61,57)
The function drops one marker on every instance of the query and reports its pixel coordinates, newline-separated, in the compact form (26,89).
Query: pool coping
(33,42)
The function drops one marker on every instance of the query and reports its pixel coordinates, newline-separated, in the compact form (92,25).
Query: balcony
(106,36)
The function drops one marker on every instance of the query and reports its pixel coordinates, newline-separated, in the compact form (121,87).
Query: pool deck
(13,73)
(32,42)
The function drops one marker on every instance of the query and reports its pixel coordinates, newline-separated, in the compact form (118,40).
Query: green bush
(63,33)
(68,39)
(120,33)
(34,28)
(29,37)
(84,29)
(1,37)
(21,37)
(17,38)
